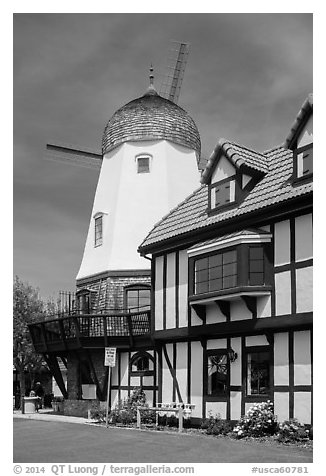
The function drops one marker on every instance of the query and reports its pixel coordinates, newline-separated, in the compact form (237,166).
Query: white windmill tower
(149,163)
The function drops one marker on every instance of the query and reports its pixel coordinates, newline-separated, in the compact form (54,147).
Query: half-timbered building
(232,283)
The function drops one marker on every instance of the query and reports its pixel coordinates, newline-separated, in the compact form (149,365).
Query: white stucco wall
(216,409)
(256,340)
(281,405)
(135,202)
(307,134)
(222,170)
(302,407)
(304,289)
(282,242)
(283,293)
(196,388)
(214,314)
(170,291)
(235,402)
(281,358)
(239,310)
(182,354)
(159,293)
(302,358)
(216,344)
(167,381)
(303,237)
(183,288)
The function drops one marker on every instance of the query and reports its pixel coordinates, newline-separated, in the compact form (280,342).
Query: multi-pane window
(143,165)
(138,299)
(216,272)
(256,266)
(257,373)
(305,161)
(217,374)
(223,193)
(98,231)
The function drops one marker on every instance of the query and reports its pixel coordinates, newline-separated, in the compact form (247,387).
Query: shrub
(291,431)
(258,421)
(98,414)
(125,411)
(215,425)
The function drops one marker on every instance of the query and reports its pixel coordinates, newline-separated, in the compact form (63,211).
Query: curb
(49,417)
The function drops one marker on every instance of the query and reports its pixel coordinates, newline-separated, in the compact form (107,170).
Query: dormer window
(143,164)
(98,228)
(223,193)
(303,161)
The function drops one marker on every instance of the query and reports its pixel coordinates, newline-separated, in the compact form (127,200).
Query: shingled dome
(151,117)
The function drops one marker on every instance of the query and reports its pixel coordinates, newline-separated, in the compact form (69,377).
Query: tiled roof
(151,117)
(238,156)
(305,111)
(190,215)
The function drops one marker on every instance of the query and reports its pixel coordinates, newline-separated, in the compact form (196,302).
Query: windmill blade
(73,156)
(176,65)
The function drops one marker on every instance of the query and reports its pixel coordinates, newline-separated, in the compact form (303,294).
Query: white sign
(110,353)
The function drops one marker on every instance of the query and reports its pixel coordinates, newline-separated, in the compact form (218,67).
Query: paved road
(52,442)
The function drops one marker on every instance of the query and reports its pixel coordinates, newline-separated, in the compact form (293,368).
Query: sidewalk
(47,414)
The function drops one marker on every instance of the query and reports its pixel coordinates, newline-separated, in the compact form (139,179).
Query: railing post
(131,337)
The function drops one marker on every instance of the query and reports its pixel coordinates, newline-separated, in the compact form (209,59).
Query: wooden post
(107,398)
(180,420)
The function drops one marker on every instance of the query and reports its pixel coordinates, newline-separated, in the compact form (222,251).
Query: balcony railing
(76,328)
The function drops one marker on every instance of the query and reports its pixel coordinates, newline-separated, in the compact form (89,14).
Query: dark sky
(246,78)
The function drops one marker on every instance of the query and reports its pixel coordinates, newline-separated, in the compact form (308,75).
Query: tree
(28,308)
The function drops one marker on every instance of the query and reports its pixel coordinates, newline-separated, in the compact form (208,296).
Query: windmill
(170,89)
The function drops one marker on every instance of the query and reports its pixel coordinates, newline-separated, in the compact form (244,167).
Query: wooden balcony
(88,331)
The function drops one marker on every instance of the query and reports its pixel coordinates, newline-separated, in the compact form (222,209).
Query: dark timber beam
(97,383)
(172,372)
(53,365)
(200,310)
(251,303)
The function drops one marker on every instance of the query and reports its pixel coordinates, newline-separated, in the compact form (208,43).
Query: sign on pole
(110,356)
(109,361)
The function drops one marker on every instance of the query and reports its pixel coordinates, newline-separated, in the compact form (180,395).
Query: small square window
(143,165)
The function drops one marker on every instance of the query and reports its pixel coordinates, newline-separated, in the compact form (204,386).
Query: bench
(181,409)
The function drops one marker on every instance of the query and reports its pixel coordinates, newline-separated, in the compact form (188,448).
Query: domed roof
(151,117)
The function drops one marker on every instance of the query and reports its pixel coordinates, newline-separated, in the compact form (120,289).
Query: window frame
(258,350)
(243,269)
(296,152)
(138,373)
(216,397)
(137,287)
(222,266)
(147,156)
(98,240)
(232,178)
